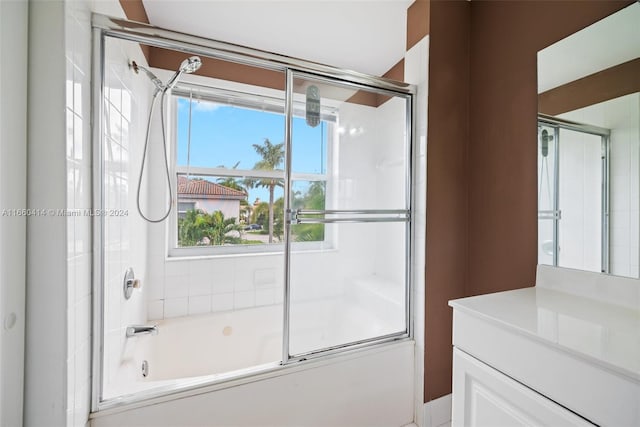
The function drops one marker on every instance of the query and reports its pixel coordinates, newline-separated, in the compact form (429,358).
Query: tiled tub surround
(79,247)
(191,287)
(214,303)
(125,233)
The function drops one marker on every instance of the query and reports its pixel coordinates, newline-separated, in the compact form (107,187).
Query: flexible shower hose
(164,152)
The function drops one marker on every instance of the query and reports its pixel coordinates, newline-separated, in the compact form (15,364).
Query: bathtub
(226,342)
(214,361)
(209,347)
(214,344)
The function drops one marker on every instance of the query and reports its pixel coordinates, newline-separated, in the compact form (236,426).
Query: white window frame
(244,100)
(179,211)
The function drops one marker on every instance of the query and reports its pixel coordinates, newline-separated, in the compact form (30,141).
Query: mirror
(589,148)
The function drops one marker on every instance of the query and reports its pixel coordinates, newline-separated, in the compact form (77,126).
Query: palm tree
(272,156)
(189,233)
(231,182)
(217,229)
(197,225)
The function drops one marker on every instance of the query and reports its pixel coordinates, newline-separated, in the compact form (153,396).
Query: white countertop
(604,333)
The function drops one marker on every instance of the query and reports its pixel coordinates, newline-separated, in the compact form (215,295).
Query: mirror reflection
(589,148)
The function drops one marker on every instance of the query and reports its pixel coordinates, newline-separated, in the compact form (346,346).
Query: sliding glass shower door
(287,233)
(572,195)
(348,218)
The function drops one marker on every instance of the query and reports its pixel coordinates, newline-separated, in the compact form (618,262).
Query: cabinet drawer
(485,397)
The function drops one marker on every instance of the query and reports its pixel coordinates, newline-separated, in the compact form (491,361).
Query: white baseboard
(437,412)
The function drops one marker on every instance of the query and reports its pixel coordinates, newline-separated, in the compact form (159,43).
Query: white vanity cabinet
(487,397)
(563,353)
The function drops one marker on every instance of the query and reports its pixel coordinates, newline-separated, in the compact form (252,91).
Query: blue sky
(224,135)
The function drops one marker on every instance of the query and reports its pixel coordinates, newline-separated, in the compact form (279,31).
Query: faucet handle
(130,283)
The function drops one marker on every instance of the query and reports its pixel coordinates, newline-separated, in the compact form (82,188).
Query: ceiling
(368,36)
(610,41)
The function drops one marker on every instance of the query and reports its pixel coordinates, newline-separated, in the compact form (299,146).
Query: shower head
(189,65)
(545,138)
(156,81)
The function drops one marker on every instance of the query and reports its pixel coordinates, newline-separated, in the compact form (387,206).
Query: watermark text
(64,212)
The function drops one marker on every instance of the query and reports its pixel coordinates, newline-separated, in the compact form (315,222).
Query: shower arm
(154,79)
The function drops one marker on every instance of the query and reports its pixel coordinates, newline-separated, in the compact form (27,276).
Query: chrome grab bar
(347,220)
(352,211)
(299,216)
(135,330)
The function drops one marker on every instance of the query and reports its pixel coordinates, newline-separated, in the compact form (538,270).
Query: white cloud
(205,106)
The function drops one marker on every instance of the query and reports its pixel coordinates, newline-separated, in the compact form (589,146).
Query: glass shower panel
(353,290)
(580,200)
(349,207)
(358,144)
(209,300)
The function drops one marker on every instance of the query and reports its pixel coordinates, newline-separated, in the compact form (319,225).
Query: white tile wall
(79,255)
(127,99)
(621,116)
(244,299)
(199,304)
(176,307)
(265,296)
(416,72)
(580,200)
(222,302)
(211,285)
(77,49)
(155,310)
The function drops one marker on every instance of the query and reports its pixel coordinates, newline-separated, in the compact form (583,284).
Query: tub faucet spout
(136,330)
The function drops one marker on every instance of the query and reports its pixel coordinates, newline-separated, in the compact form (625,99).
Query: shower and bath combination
(188,66)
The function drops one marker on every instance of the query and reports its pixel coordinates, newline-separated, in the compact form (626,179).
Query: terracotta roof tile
(200,188)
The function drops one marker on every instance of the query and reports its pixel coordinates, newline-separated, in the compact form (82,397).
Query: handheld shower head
(189,65)
(545,138)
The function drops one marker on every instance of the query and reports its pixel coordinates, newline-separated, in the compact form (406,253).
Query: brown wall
(506,37)
(619,80)
(481,177)
(447,182)
(417,21)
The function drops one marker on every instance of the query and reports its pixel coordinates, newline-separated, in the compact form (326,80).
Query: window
(183,207)
(229,155)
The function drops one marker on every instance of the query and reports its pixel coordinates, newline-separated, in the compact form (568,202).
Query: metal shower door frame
(107,27)
(605,135)
(377,215)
